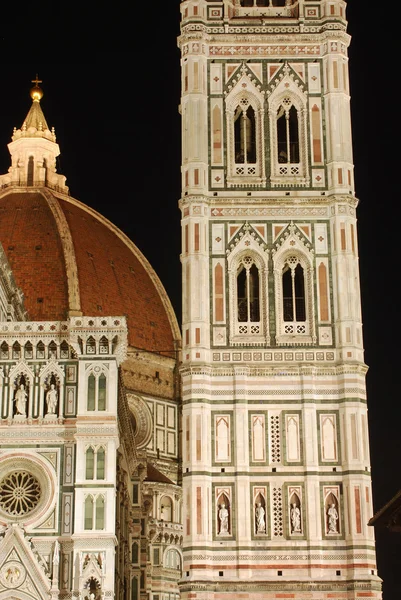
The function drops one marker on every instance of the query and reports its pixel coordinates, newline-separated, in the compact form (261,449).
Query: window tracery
(294,300)
(293,282)
(244,114)
(287,112)
(248,291)
(20,493)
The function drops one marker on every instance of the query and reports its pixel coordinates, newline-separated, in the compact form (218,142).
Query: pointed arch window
(100,463)
(294,298)
(134,553)
(95,463)
(101,393)
(88,513)
(16,350)
(40,350)
(248,296)
(97,392)
(294,307)
(94,511)
(90,463)
(287,133)
(28,350)
(99,512)
(91,392)
(245,133)
(248,291)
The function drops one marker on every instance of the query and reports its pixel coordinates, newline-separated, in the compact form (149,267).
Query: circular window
(27,489)
(19,493)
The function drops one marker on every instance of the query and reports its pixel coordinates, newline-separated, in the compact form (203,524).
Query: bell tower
(276,469)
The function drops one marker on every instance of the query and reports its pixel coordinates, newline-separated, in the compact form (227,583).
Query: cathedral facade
(228,457)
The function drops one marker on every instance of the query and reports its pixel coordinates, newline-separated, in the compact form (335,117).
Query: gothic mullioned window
(287,110)
(96,399)
(94,511)
(293,297)
(248,302)
(293,274)
(248,291)
(245,117)
(95,463)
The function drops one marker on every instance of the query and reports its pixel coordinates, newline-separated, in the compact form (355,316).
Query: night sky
(114,105)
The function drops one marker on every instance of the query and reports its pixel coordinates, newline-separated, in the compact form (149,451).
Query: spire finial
(36,91)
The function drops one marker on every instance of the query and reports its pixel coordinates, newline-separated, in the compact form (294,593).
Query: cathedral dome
(68,259)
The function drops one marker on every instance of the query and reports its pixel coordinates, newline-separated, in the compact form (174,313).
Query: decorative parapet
(163,531)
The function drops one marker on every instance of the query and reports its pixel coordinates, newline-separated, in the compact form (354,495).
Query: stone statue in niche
(332,519)
(260,518)
(223,519)
(51,399)
(21,398)
(295,515)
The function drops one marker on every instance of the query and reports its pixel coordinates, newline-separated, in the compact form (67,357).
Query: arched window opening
(64,350)
(52,350)
(287,133)
(99,512)
(16,350)
(90,463)
(28,350)
(104,345)
(96,399)
(4,350)
(166,509)
(294,307)
(91,346)
(102,393)
(40,350)
(88,513)
(248,291)
(100,463)
(134,553)
(91,392)
(245,133)
(29,175)
(134,589)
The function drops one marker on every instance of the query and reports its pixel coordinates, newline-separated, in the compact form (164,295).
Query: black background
(111,82)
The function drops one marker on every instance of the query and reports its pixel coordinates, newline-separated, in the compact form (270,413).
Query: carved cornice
(273,371)
(299,587)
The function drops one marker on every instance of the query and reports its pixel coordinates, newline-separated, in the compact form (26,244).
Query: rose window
(19,493)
